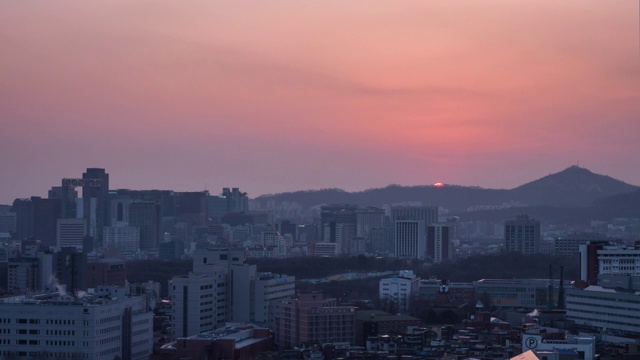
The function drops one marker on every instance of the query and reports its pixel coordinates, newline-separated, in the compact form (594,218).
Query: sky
(274,96)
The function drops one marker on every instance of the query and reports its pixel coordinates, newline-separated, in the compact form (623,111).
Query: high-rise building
(338,223)
(367,219)
(522,235)
(126,239)
(94,205)
(438,242)
(148,217)
(410,239)
(288,227)
(216,208)
(409,229)
(237,201)
(36,218)
(252,293)
(191,207)
(96,186)
(428,214)
(71,232)
(69,269)
(201,300)
(7,222)
(198,301)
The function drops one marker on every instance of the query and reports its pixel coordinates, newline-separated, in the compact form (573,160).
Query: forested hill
(572,187)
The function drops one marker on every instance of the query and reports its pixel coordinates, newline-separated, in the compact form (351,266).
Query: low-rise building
(611,311)
(310,319)
(519,293)
(233,341)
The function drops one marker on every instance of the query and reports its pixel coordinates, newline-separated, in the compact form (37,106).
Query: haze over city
(289,95)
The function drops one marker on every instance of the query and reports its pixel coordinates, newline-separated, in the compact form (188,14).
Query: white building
(222,288)
(198,302)
(605,310)
(400,289)
(253,292)
(618,260)
(81,328)
(584,346)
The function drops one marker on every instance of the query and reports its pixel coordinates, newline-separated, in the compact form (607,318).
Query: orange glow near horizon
(289,95)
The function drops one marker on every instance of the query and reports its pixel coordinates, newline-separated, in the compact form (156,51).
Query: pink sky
(273,96)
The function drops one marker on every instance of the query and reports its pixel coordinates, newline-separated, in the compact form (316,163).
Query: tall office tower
(410,239)
(522,235)
(367,219)
(191,207)
(337,221)
(216,208)
(95,185)
(438,242)
(370,224)
(308,233)
(425,215)
(288,227)
(36,218)
(69,269)
(148,217)
(119,210)
(237,201)
(71,232)
(56,192)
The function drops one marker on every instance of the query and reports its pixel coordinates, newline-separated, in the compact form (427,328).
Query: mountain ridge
(572,187)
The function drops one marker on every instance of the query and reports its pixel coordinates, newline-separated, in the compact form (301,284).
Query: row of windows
(60,322)
(140,332)
(35,354)
(109,340)
(140,322)
(109,329)
(141,342)
(109,319)
(109,351)
(60,332)
(59,343)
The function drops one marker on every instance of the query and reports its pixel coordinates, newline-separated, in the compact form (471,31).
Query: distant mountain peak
(572,185)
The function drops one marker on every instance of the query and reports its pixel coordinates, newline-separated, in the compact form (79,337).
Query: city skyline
(293,96)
